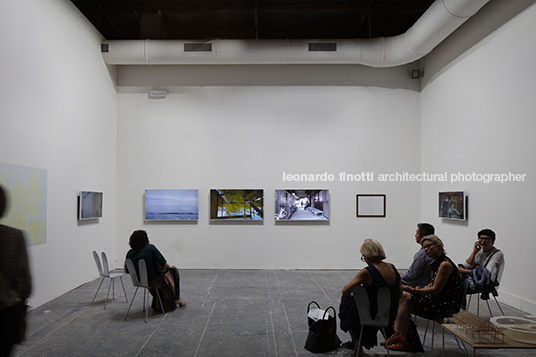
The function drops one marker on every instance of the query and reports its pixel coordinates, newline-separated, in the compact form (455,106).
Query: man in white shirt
(484,254)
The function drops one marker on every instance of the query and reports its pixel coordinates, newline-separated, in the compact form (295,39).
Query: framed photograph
(171,205)
(233,205)
(302,205)
(370,205)
(89,205)
(453,205)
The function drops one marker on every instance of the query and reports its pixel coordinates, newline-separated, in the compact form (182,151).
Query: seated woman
(161,275)
(440,299)
(375,275)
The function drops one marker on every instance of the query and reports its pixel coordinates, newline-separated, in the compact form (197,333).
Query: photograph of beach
(165,205)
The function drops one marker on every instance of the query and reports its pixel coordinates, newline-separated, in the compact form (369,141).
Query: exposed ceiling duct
(441,19)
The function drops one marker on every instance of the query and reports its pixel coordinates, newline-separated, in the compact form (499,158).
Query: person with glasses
(418,273)
(483,255)
(440,299)
(376,274)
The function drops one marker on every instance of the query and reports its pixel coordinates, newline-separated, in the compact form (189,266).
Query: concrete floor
(234,313)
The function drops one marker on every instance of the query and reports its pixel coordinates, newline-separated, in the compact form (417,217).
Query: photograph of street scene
(301,205)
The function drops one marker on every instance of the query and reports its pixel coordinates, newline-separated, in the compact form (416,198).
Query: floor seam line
(318,284)
(210,288)
(54,331)
(151,335)
(204,330)
(290,329)
(339,274)
(273,329)
(271,314)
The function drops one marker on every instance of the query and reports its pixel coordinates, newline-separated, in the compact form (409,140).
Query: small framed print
(453,205)
(370,205)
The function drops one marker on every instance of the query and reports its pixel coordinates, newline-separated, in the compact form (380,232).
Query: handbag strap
(488,259)
(309,306)
(158,265)
(325,312)
(152,253)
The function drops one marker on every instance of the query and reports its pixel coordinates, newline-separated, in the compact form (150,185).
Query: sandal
(394,340)
(400,347)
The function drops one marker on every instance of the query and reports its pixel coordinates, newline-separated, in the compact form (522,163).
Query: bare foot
(181,302)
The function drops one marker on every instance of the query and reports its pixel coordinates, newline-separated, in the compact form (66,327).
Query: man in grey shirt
(418,273)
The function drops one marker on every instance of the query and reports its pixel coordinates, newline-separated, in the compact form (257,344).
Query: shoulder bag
(322,336)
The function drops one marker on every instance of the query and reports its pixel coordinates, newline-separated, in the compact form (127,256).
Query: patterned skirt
(434,307)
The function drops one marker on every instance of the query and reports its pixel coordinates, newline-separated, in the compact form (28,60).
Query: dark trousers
(8,328)
(169,288)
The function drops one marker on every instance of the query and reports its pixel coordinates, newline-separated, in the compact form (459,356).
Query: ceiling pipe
(441,19)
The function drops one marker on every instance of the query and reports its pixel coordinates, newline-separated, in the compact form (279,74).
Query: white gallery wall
(478,116)
(61,113)
(58,113)
(247,138)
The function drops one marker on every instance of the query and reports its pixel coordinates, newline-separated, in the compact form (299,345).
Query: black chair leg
(386,346)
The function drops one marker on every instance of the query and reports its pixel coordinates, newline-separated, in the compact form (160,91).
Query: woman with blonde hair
(376,274)
(440,299)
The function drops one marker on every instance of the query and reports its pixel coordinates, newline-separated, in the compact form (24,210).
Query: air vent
(105,47)
(158,94)
(323,47)
(198,47)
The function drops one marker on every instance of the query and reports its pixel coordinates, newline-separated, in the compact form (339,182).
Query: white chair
(142,282)
(499,276)
(104,272)
(363,308)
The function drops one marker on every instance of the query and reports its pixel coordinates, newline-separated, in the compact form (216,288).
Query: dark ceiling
(251,19)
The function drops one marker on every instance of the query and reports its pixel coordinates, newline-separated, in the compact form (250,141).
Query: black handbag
(414,340)
(322,335)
